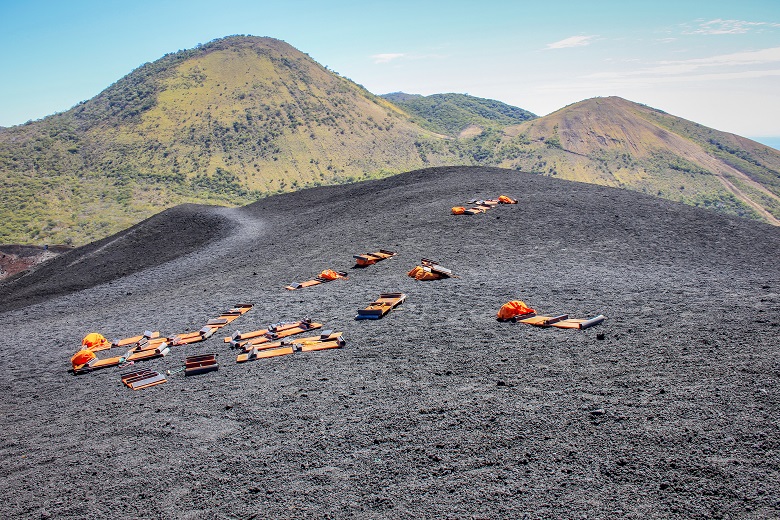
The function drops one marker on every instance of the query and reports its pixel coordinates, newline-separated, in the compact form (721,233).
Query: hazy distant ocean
(774,142)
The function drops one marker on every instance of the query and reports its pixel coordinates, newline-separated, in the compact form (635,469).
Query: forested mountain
(458,114)
(244,117)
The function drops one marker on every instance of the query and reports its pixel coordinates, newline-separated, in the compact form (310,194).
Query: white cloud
(572,41)
(386,58)
(719,26)
(678,68)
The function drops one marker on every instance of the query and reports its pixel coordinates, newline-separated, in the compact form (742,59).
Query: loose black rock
(665,276)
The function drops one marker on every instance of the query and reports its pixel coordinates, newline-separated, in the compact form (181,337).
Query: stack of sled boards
(247,340)
(139,379)
(372,258)
(562,322)
(327,340)
(381,306)
(200,364)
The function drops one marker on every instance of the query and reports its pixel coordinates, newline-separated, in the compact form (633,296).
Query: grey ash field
(435,411)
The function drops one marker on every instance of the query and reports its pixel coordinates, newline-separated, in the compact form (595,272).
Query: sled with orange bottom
(96,364)
(211,326)
(276,328)
(367,259)
(381,306)
(326,340)
(277,334)
(562,321)
(135,339)
(325,276)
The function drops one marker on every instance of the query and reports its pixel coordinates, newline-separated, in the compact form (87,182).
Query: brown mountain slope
(244,117)
(228,122)
(615,142)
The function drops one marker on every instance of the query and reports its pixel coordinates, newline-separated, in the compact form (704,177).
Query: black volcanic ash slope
(437,410)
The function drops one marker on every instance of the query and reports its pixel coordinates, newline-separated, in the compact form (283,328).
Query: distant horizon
(716,63)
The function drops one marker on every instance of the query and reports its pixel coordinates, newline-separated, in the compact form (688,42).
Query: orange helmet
(82,357)
(94,340)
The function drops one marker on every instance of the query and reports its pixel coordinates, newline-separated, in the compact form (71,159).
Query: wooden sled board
(435,267)
(315,281)
(577,323)
(327,340)
(149,344)
(372,258)
(322,345)
(265,353)
(543,321)
(142,379)
(194,337)
(327,335)
(160,351)
(134,341)
(278,327)
(194,365)
(273,336)
(229,315)
(97,364)
(381,306)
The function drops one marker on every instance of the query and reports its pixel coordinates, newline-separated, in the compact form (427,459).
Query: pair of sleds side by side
(381,306)
(478,206)
(159,351)
(212,325)
(367,259)
(275,328)
(274,333)
(326,340)
(134,341)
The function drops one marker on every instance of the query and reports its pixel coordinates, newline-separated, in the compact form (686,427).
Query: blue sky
(714,62)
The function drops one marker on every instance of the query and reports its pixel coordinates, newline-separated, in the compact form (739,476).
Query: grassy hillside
(615,142)
(227,123)
(458,114)
(244,117)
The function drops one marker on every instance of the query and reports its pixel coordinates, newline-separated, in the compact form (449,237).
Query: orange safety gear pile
(418,273)
(93,341)
(329,274)
(82,357)
(514,308)
(503,199)
(458,210)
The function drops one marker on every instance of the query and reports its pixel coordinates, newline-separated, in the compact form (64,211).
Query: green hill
(244,117)
(456,114)
(615,142)
(229,122)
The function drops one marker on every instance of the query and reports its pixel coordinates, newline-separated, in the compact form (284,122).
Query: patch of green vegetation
(450,114)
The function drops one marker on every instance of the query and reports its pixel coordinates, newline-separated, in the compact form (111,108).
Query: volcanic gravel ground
(667,409)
